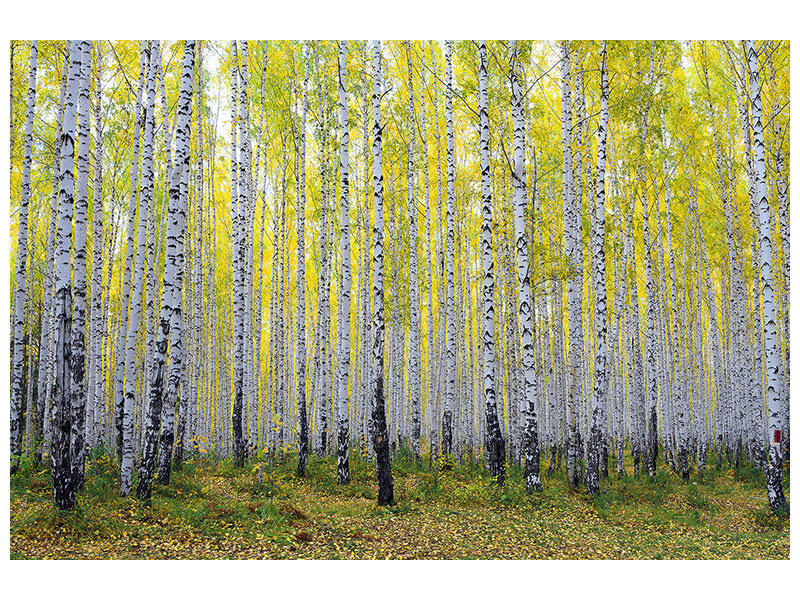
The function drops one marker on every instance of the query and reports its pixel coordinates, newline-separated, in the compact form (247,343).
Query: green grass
(212,509)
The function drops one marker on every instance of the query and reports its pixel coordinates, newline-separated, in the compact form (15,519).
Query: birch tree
(571,243)
(414,352)
(777,499)
(170,325)
(342,396)
(450,372)
(21,291)
(238,257)
(495,441)
(601,376)
(137,281)
(95,393)
(531,432)
(77,369)
(119,376)
(63,490)
(302,442)
(380,433)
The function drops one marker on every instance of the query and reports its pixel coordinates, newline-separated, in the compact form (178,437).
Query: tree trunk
(342,396)
(380,434)
(495,441)
(170,313)
(601,378)
(137,283)
(414,352)
(530,443)
(21,291)
(95,396)
(119,378)
(450,372)
(63,490)
(77,368)
(238,256)
(302,446)
(777,500)
(572,242)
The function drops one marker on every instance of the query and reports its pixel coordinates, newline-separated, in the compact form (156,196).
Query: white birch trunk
(95,396)
(238,257)
(21,291)
(137,283)
(414,358)
(302,448)
(77,369)
(119,378)
(601,375)
(450,371)
(170,313)
(380,435)
(531,432)
(63,490)
(343,396)
(572,244)
(777,500)
(495,441)
(47,339)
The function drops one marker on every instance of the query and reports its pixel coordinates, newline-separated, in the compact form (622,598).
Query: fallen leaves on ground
(209,514)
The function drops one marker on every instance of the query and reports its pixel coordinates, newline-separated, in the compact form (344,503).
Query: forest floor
(211,510)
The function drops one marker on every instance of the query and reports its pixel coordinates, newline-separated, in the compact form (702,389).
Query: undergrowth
(212,508)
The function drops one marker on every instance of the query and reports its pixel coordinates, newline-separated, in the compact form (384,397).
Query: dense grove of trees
(519,252)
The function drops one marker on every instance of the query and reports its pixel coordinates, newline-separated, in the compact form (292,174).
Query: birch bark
(170,314)
(572,242)
(119,379)
(601,375)
(21,291)
(63,490)
(495,442)
(531,432)
(302,447)
(777,499)
(95,397)
(77,368)
(450,371)
(414,358)
(137,283)
(380,434)
(343,396)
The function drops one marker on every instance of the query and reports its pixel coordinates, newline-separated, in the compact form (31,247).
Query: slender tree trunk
(414,351)
(380,434)
(238,256)
(302,446)
(95,395)
(572,244)
(635,367)
(21,291)
(137,283)
(77,368)
(651,382)
(170,314)
(450,372)
(601,376)
(777,500)
(63,490)
(342,396)
(495,441)
(530,443)
(119,379)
